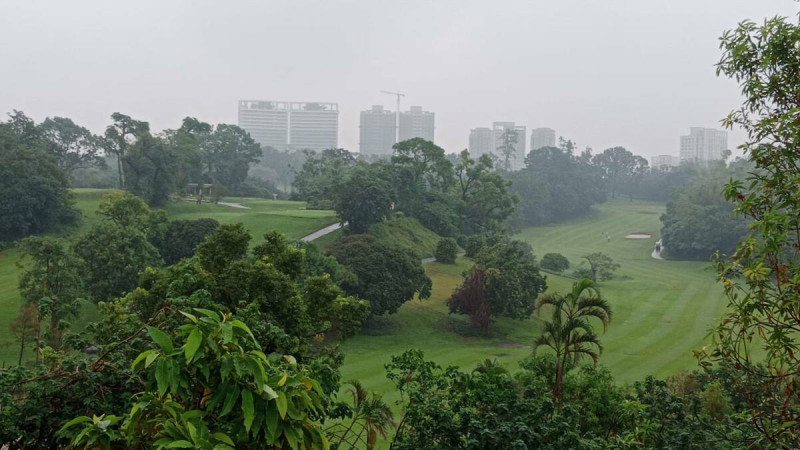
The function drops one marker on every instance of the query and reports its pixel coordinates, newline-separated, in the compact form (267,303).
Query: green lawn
(662,309)
(288,217)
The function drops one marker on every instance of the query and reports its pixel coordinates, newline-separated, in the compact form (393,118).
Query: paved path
(322,232)
(233,205)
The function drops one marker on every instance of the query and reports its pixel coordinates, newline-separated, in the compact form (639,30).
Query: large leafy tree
(227,154)
(51,281)
(213,388)
(556,185)
(320,174)
(617,164)
(363,200)
(152,169)
(116,250)
(569,332)
(508,147)
(34,191)
(699,220)
(118,138)
(505,282)
(72,146)
(418,167)
(759,334)
(387,276)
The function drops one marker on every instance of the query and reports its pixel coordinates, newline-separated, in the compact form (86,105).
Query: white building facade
(703,145)
(416,123)
(377,131)
(542,137)
(291,125)
(517,160)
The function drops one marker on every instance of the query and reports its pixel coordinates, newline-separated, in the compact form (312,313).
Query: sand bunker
(638,236)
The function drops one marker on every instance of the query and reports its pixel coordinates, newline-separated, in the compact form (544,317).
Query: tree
(505,282)
(193,398)
(387,276)
(555,185)
(34,191)
(369,415)
(51,283)
(72,146)
(227,155)
(119,137)
(507,148)
(446,251)
(152,170)
(117,249)
(362,200)
(569,333)
(699,220)
(25,328)
(227,244)
(617,164)
(320,174)
(182,237)
(555,262)
(758,334)
(601,266)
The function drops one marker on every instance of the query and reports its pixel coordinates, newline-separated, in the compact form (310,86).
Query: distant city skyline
(635,74)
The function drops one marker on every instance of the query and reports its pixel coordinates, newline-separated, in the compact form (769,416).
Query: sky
(636,73)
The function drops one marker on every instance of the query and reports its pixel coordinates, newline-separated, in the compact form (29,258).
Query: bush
(446,251)
(473,245)
(555,262)
(183,236)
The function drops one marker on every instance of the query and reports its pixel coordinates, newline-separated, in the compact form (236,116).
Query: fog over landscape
(630,73)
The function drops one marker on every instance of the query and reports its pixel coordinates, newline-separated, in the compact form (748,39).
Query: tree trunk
(21,349)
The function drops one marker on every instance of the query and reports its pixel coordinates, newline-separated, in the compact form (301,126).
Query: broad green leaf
(162,376)
(150,358)
(282,404)
(180,444)
(283,379)
(270,392)
(247,408)
(241,325)
(191,317)
(222,437)
(192,344)
(291,436)
(74,421)
(140,358)
(290,359)
(208,313)
(227,332)
(162,339)
(272,421)
(230,400)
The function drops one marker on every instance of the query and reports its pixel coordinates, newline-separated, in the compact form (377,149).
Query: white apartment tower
(291,125)
(517,161)
(703,145)
(377,131)
(416,123)
(481,142)
(542,137)
(664,161)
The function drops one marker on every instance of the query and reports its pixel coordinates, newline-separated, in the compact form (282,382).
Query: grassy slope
(662,309)
(290,218)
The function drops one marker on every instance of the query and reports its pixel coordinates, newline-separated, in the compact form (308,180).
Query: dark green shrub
(446,251)
(473,245)
(555,262)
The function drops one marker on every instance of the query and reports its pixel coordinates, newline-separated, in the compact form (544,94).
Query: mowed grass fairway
(662,309)
(288,217)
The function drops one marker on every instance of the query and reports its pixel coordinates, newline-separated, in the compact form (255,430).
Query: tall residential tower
(377,129)
(703,145)
(542,137)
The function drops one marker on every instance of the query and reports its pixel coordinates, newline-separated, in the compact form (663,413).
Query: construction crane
(397,113)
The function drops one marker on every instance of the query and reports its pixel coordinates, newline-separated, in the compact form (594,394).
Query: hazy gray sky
(636,73)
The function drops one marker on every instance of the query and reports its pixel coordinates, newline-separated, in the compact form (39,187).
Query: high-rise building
(313,126)
(291,125)
(517,159)
(703,145)
(542,137)
(377,131)
(664,161)
(416,123)
(481,142)
(267,122)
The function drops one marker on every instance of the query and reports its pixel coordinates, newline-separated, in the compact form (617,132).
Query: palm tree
(569,332)
(371,415)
